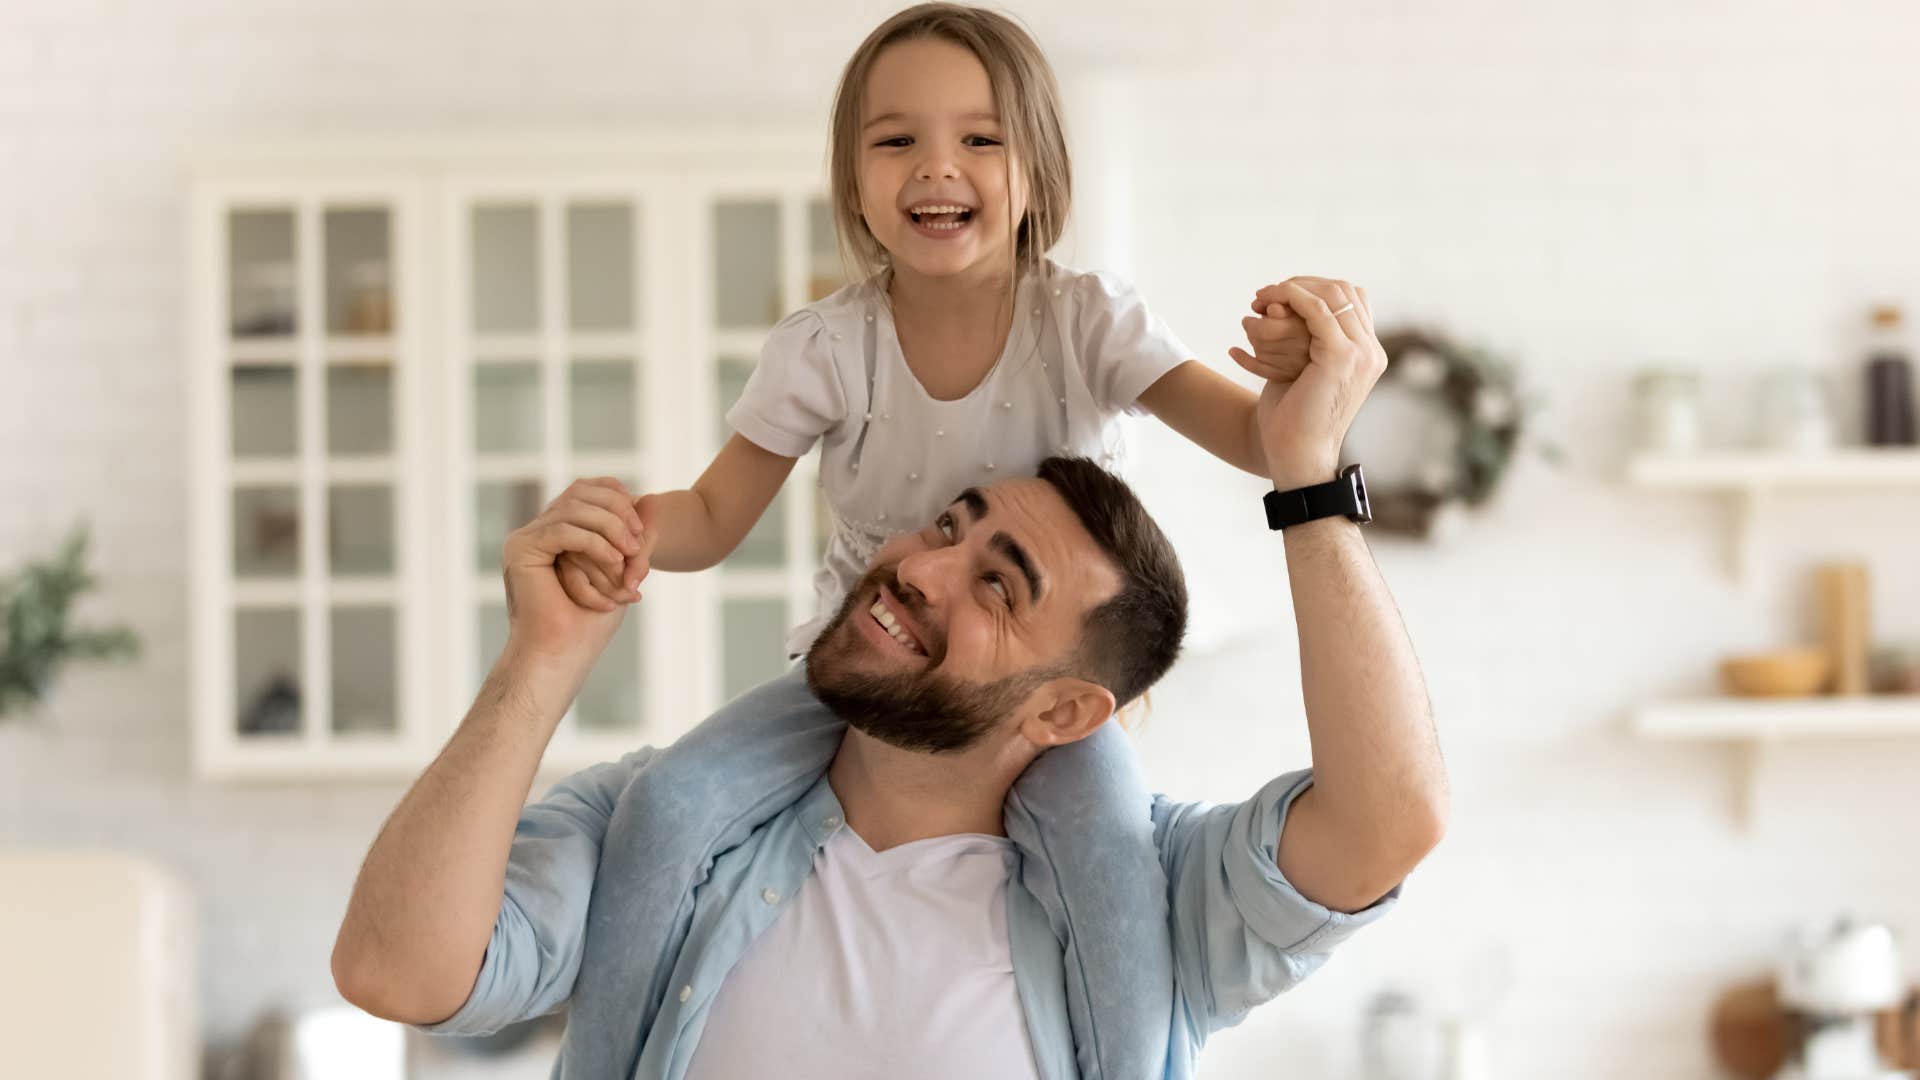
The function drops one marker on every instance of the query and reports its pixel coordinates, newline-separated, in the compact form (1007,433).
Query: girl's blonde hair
(1025,95)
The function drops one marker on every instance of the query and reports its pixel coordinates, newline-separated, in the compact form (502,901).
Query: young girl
(966,355)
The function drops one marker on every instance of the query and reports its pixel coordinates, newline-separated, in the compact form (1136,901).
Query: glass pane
(266,671)
(730,377)
(754,648)
(603,405)
(507,418)
(499,507)
(360,529)
(506,269)
(359,271)
(266,532)
(610,698)
(600,285)
(825,273)
(360,408)
(765,546)
(493,638)
(260,268)
(365,697)
(746,264)
(266,412)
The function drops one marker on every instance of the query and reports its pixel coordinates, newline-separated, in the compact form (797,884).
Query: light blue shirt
(1240,933)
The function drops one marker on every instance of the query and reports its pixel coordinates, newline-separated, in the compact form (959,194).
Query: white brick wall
(1590,188)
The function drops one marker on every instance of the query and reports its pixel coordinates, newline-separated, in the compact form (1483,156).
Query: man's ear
(1070,710)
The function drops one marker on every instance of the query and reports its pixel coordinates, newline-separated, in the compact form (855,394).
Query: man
(875,925)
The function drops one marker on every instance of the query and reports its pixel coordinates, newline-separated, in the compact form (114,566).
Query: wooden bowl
(1781,673)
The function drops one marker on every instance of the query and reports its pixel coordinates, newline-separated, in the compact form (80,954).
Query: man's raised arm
(1378,803)
(424,907)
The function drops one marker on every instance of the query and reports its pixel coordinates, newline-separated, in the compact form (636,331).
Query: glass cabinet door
(312,399)
(551,369)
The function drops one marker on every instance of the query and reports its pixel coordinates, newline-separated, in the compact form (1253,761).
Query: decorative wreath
(1479,395)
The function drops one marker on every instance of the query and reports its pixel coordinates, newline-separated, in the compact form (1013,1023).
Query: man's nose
(932,573)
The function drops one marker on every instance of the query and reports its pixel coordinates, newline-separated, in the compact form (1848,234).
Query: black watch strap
(1345,497)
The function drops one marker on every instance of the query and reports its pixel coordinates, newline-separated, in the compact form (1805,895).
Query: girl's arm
(701,525)
(690,529)
(1212,411)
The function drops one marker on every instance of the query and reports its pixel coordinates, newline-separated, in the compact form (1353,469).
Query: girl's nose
(938,167)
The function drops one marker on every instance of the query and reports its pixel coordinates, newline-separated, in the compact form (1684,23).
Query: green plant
(35,638)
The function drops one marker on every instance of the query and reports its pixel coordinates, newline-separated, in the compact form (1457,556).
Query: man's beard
(920,711)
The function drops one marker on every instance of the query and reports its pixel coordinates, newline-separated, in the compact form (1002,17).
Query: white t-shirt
(885,964)
(1082,349)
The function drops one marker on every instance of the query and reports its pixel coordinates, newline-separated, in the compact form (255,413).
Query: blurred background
(303,306)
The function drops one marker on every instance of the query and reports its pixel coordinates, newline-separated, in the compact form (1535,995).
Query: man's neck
(893,796)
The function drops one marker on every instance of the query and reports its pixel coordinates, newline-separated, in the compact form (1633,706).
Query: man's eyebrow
(1017,555)
(975,501)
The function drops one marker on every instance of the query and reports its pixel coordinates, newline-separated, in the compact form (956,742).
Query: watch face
(1364,509)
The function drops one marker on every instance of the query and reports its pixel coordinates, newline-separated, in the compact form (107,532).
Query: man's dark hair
(1131,640)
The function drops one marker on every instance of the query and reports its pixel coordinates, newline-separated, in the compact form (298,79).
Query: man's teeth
(891,625)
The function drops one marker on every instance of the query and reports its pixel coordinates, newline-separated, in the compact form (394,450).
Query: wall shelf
(1751,479)
(1753,726)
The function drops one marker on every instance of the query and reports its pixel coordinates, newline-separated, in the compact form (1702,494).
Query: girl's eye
(897,140)
(982,140)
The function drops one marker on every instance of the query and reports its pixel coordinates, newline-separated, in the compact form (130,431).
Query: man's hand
(1309,403)
(594,586)
(594,520)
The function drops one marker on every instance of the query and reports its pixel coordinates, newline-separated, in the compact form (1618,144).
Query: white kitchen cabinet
(400,352)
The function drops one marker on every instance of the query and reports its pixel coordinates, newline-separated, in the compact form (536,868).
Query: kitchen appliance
(1834,981)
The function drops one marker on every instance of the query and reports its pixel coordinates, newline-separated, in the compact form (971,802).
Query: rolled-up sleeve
(534,954)
(1242,933)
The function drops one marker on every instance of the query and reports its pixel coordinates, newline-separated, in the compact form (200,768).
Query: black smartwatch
(1345,497)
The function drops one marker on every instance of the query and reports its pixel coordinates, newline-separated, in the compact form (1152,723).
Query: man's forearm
(424,906)
(1376,760)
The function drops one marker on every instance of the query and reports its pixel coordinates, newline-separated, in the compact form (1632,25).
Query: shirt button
(830,823)
(686,993)
(771,896)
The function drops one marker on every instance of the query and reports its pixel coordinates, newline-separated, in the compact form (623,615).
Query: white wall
(1587,187)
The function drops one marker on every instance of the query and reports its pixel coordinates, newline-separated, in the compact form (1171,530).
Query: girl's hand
(1280,338)
(606,584)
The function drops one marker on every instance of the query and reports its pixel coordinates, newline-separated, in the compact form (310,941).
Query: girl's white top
(1082,349)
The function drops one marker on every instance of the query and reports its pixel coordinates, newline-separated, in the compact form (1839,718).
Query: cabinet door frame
(215,589)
